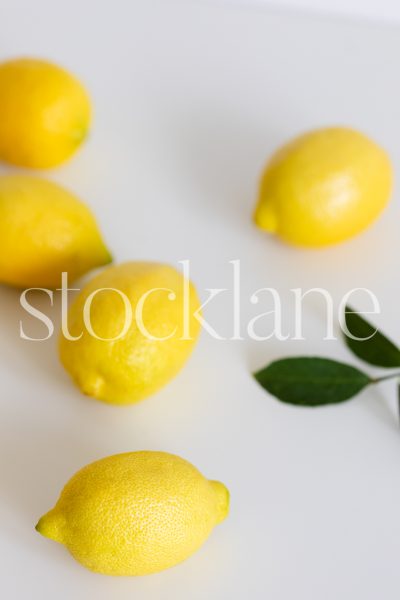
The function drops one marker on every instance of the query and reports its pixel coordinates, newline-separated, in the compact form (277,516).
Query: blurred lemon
(135,513)
(45,113)
(45,230)
(137,340)
(324,187)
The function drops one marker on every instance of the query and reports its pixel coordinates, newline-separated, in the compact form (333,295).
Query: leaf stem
(398,398)
(385,377)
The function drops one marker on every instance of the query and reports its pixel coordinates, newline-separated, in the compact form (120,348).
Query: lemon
(136,327)
(135,513)
(45,113)
(45,230)
(324,187)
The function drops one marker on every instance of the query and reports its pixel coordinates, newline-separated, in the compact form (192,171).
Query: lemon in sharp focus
(45,113)
(136,327)
(135,513)
(45,230)
(324,187)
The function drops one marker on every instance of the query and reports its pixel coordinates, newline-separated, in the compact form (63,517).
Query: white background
(387,10)
(191,98)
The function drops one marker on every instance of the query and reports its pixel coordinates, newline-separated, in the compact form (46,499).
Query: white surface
(190,100)
(388,10)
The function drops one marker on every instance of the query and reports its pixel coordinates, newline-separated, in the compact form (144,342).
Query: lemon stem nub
(222,494)
(108,257)
(265,217)
(52,526)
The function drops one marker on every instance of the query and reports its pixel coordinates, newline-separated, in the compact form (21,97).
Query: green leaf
(311,381)
(375,348)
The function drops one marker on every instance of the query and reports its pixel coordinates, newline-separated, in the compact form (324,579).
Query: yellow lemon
(324,187)
(45,113)
(45,230)
(135,513)
(135,327)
